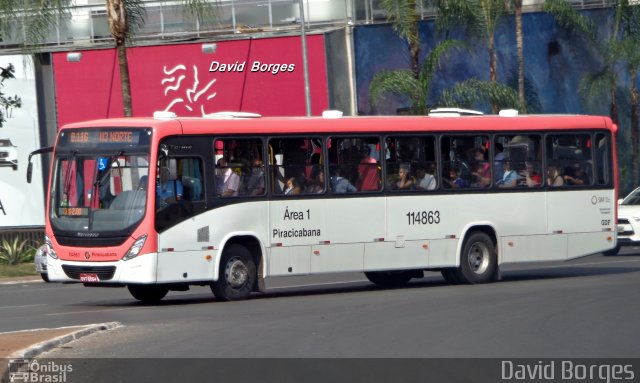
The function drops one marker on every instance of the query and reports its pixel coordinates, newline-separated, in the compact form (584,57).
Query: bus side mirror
(29,172)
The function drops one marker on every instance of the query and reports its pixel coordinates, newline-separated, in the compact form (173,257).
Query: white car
(40,261)
(8,153)
(628,222)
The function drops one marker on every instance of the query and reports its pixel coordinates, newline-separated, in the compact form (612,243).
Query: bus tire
(237,276)
(613,251)
(148,293)
(450,276)
(389,278)
(45,277)
(478,261)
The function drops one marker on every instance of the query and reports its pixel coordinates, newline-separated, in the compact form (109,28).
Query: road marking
(315,284)
(97,311)
(21,282)
(18,307)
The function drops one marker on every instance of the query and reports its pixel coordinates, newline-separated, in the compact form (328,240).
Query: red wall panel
(254,75)
(87,89)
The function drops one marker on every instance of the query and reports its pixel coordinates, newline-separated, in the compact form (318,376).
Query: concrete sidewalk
(31,343)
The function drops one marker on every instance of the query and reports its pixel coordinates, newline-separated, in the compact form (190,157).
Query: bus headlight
(135,248)
(50,250)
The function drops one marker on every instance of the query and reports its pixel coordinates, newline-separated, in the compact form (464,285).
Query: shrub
(16,252)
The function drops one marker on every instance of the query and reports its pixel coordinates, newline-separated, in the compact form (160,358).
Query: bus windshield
(98,192)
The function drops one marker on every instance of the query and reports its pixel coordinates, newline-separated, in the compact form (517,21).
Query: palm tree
(474,93)
(124,17)
(480,19)
(403,83)
(516,5)
(404,21)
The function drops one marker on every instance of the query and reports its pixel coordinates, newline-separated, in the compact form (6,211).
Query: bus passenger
(292,187)
(317,185)
(576,176)
(532,177)
(228,180)
(509,176)
(481,169)
(168,190)
(405,182)
(425,180)
(368,177)
(340,184)
(455,181)
(255,184)
(553,177)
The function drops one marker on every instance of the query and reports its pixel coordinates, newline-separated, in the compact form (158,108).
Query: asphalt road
(582,308)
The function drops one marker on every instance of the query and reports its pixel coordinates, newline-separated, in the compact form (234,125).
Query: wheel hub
(236,273)
(478,258)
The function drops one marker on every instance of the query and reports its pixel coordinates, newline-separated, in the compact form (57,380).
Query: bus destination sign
(105,137)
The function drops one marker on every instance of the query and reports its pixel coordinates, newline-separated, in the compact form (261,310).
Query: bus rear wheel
(237,276)
(389,278)
(478,261)
(148,293)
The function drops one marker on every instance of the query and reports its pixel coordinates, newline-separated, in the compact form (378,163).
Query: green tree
(403,83)
(36,18)
(474,93)
(7,103)
(479,19)
(404,21)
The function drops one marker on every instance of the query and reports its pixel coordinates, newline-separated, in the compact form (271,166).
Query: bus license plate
(89,278)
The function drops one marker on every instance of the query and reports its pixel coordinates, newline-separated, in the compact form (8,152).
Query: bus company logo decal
(32,370)
(599,199)
(566,370)
(87,255)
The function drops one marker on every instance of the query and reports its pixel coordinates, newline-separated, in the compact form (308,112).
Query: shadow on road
(432,280)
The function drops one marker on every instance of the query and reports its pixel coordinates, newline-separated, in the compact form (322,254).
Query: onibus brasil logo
(32,370)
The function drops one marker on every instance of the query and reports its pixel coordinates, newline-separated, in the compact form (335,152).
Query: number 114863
(423,217)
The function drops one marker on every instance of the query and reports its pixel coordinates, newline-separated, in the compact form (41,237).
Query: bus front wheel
(613,251)
(237,274)
(478,261)
(148,293)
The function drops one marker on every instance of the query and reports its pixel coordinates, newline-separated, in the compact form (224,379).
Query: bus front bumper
(141,269)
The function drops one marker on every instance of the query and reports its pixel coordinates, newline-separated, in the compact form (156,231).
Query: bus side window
(190,170)
(296,166)
(602,155)
(571,156)
(357,159)
(410,163)
(239,167)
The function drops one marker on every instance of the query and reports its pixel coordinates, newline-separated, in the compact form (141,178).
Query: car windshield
(97,193)
(633,198)
(5,143)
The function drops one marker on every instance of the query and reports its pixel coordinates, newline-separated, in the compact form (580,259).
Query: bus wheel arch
(478,257)
(239,270)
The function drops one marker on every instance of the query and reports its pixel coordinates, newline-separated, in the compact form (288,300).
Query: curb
(38,348)
(9,281)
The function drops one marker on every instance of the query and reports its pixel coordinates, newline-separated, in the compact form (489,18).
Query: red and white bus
(160,204)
